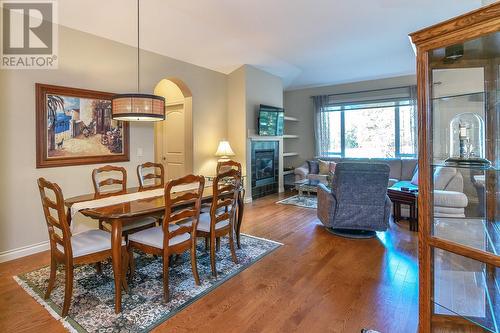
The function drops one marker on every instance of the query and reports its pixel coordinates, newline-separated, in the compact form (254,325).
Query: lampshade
(138,107)
(224,149)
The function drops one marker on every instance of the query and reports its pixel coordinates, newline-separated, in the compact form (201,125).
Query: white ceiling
(305,42)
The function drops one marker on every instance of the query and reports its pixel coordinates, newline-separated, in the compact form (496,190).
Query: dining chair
(111,180)
(91,246)
(177,233)
(220,221)
(151,176)
(223,166)
(156,175)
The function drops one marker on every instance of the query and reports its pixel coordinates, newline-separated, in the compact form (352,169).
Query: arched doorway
(174,136)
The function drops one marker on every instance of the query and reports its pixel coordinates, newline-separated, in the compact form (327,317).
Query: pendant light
(137,106)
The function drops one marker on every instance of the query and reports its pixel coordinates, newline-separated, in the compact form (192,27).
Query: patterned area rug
(307,201)
(92,307)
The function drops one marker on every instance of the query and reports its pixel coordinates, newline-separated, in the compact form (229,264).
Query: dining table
(120,214)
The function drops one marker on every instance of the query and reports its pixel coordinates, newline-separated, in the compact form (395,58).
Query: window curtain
(321,125)
(413,103)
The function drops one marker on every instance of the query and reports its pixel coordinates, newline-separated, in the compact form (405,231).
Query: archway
(174,136)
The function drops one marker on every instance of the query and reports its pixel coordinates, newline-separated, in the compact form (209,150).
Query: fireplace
(265,168)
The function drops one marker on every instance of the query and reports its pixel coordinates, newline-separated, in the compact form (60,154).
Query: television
(271,120)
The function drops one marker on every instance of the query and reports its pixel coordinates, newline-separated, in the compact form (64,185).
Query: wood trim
(466,21)
(42,161)
(425,195)
(465,251)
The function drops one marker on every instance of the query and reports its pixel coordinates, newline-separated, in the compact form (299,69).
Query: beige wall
(298,104)
(248,87)
(236,114)
(87,61)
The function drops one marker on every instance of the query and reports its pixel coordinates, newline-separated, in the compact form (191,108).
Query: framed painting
(75,126)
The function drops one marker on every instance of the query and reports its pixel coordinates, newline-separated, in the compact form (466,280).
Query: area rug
(306,201)
(92,307)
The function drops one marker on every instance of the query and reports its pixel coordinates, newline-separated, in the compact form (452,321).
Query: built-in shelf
(290,118)
(290,136)
(290,154)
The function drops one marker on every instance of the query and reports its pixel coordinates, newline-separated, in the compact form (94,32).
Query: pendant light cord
(138,50)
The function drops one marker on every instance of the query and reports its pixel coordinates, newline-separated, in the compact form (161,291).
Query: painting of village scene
(82,128)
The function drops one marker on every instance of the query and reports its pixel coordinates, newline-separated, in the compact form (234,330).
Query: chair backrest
(187,202)
(55,215)
(155,178)
(360,190)
(108,186)
(224,166)
(225,195)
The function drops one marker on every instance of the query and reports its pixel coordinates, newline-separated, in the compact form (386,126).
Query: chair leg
(194,264)
(125,265)
(212,256)
(217,244)
(165,277)
(68,289)
(207,243)
(52,278)
(98,267)
(131,262)
(231,246)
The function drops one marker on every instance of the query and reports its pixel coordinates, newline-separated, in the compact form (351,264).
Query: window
(385,129)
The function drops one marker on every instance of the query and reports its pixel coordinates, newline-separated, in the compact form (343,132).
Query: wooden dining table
(120,214)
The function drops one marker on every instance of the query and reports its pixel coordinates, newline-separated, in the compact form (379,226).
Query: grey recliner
(357,205)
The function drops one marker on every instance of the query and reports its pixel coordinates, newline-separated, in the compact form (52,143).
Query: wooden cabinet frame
(466,27)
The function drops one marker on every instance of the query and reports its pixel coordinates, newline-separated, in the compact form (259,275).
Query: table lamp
(224,150)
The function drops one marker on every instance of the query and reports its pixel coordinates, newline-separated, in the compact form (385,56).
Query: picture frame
(75,127)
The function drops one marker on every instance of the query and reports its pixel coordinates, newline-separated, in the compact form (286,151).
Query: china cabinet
(458,74)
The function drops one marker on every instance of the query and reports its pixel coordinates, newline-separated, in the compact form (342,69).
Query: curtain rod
(363,91)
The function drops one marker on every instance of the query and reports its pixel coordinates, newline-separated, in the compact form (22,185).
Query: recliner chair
(357,205)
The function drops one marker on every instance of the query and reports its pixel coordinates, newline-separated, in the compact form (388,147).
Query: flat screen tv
(271,120)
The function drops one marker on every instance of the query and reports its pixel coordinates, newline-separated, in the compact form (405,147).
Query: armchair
(357,204)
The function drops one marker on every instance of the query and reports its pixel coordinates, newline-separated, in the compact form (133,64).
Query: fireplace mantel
(279,140)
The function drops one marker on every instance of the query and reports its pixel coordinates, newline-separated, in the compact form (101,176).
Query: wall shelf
(290,118)
(290,154)
(290,136)
(288,172)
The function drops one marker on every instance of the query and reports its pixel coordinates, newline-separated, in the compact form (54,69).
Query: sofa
(357,203)
(400,169)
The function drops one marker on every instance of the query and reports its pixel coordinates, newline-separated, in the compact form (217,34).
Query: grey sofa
(400,169)
(357,200)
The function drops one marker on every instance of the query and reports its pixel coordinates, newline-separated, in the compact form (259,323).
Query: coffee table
(307,186)
(400,197)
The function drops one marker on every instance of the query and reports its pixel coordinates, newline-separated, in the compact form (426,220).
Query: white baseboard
(23,251)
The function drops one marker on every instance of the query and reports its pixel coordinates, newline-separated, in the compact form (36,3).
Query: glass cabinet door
(465,213)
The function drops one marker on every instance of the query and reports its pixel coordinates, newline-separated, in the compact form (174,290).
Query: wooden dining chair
(223,166)
(156,175)
(87,247)
(111,180)
(220,221)
(178,231)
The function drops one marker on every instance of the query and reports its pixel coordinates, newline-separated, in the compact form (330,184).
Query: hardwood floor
(316,282)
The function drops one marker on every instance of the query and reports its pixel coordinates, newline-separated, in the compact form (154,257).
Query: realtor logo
(29,34)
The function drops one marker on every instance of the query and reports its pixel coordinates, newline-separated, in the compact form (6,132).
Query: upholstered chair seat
(204,224)
(89,242)
(138,224)
(154,237)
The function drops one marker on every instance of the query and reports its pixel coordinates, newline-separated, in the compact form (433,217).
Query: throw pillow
(442,176)
(324,167)
(313,167)
(333,165)
(414,179)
